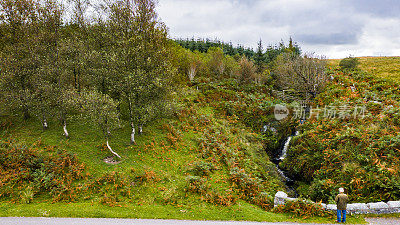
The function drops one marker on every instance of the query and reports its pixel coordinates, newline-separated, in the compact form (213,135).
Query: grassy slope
(240,212)
(384,67)
(153,152)
(361,155)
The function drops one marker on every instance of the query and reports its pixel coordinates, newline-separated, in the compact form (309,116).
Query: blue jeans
(339,215)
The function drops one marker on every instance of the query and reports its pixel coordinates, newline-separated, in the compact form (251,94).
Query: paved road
(101,221)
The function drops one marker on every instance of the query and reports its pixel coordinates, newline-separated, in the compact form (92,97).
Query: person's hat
(341,190)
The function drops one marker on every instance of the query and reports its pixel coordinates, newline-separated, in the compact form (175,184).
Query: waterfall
(287,179)
(285,148)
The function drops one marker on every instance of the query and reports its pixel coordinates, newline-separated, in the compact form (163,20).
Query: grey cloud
(379,8)
(319,24)
(329,39)
(328,23)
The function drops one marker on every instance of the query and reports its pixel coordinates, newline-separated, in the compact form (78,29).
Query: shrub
(147,176)
(196,184)
(264,200)
(42,173)
(349,63)
(303,209)
(247,71)
(27,195)
(249,186)
(113,187)
(202,168)
(200,186)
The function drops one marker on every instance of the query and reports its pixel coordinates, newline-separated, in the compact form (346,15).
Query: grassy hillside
(384,67)
(207,159)
(199,163)
(358,153)
(193,163)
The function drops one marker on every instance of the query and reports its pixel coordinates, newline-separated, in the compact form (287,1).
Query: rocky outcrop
(357,208)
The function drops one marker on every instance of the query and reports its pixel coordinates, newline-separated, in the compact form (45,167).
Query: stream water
(282,155)
(285,147)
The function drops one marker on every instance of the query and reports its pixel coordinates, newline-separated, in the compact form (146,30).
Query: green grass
(170,165)
(392,215)
(86,141)
(383,67)
(83,142)
(240,211)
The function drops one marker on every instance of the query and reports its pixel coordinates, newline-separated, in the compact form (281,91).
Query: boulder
(377,205)
(281,194)
(394,204)
(280,198)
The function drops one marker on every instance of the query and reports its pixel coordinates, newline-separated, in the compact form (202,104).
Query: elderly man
(341,203)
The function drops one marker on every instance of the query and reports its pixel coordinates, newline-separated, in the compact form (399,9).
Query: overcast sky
(333,28)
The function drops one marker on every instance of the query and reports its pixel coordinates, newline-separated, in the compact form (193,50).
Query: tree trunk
(192,72)
(45,126)
(221,68)
(132,134)
(131,120)
(63,120)
(109,148)
(26,113)
(65,130)
(75,80)
(140,129)
(104,128)
(25,110)
(44,121)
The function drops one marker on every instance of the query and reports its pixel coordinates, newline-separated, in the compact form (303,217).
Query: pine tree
(259,58)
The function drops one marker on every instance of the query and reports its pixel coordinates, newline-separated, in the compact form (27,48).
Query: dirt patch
(110,160)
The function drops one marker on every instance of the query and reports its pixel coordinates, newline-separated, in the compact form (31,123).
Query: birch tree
(102,111)
(141,58)
(18,64)
(216,62)
(46,80)
(31,50)
(193,64)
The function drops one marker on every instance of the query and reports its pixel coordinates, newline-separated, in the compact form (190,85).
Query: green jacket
(341,201)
